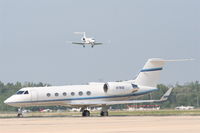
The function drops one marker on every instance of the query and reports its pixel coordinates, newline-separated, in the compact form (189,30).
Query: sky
(35,35)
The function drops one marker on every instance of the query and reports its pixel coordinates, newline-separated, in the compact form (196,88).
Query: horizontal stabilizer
(79,33)
(178,60)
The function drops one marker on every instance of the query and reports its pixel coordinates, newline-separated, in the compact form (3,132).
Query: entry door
(34,96)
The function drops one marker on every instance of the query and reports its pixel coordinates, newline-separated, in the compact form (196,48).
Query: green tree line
(186,95)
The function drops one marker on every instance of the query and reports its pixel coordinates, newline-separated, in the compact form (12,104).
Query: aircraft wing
(98,43)
(79,43)
(95,103)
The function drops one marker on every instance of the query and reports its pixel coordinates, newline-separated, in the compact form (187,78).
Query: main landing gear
(104,111)
(85,112)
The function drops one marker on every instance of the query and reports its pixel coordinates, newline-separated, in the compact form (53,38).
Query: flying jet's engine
(119,88)
(83,39)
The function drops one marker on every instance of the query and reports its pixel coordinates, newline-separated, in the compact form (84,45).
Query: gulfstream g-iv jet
(86,40)
(94,94)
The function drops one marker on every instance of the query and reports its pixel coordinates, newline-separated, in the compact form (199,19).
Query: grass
(157,112)
(111,113)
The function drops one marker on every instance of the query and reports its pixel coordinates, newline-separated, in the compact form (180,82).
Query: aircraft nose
(7,101)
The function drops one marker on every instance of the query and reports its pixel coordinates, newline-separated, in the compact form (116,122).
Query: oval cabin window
(88,93)
(80,93)
(72,93)
(56,94)
(64,94)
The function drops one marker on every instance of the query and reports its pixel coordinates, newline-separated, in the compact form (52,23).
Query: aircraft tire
(19,115)
(86,113)
(104,113)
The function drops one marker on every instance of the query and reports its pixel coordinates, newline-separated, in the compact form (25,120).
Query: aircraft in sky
(86,40)
(94,94)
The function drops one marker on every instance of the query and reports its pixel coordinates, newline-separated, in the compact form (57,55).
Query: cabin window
(20,92)
(88,93)
(72,93)
(48,94)
(56,94)
(26,92)
(80,93)
(64,94)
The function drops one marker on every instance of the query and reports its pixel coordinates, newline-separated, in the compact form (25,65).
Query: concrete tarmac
(124,124)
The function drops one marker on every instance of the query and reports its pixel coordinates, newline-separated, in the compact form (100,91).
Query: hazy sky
(33,36)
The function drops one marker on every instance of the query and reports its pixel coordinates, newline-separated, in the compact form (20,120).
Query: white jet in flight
(86,40)
(94,94)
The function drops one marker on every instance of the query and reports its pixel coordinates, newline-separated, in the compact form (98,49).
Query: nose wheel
(20,113)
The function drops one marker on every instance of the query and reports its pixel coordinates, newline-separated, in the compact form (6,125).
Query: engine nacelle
(118,88)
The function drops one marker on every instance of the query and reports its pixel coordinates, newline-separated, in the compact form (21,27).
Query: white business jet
(86,40)
(94,94)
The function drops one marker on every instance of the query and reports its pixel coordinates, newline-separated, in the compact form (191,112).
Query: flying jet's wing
(80,43)
(98,43)
(95,103)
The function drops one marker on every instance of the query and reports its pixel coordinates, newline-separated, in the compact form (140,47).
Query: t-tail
(150,74)
(80,33)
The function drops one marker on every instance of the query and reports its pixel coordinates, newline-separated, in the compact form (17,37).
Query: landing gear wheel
(19,115)
(85,113)
(104,113)
(20,112)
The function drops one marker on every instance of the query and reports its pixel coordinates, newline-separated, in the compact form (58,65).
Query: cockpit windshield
(22,92)
(26,92)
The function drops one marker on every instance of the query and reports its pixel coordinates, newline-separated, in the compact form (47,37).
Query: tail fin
(81,33)
(150,74)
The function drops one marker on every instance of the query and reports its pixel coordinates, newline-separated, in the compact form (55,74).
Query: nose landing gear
(20,112)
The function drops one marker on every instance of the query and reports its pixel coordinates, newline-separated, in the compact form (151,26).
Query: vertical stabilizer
(150,73)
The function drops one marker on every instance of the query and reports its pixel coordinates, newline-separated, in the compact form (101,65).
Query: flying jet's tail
(150,74)
(81,33)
